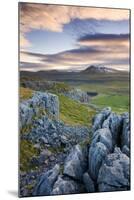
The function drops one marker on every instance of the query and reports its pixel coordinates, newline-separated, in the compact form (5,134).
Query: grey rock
(114,172)
(30,108)
(67,186)
(55,133)
(99,118)
(126,150)
(46,153)
(26,114)
(64,139)
(114,123)
(78,95)
(46,182)
(126,131)
(104,136)
(88,182)
(97,154)
(76,163)
(37,146)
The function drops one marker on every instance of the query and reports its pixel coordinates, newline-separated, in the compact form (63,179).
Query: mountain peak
(98,69)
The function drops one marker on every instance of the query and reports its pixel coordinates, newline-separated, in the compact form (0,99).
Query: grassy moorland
(74,113)
(112,88)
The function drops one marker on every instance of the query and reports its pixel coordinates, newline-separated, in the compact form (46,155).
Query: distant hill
(98,69)
(89,75)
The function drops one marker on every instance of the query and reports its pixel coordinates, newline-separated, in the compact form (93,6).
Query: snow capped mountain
(99,69)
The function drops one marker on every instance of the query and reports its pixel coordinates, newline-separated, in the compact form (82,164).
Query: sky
(55,37)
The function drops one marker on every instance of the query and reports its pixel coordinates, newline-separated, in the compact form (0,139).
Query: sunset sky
(73,38)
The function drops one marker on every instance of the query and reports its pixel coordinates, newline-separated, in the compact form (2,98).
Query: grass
(25,93)
(74,113)
(118,102)
(59,87)
(26,129)
(111,93)
(27,152)
(108,87)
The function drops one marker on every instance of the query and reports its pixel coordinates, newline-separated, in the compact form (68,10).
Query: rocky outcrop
(30,108)
(78,95)
(114,172)
(60,87)
(65,185)
(109,167)
(114,123)
(67,163)
(99,119)
(76,163)
(46,182)
(104,136)
(97,154)
(56,133)
(125,139)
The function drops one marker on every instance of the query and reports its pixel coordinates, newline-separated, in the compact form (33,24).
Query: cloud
(24,43)
(116,43)
(104,37)
(54,17)
(111,50)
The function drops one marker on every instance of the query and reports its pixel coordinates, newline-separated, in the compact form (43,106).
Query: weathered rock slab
(114,172)
(104,136)
(99,118)
(76,163)
(67,186)
(88,182)
(46,182)
(97,154)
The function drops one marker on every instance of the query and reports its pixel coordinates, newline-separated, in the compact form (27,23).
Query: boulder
(45,184)
(99,118)
(97,154)
(67,186)
(104,136)
(76,163)
(114,172)
(88,182)
(114,123)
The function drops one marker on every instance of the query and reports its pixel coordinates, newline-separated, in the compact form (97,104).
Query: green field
(113,94)
(118,103)
(74,113)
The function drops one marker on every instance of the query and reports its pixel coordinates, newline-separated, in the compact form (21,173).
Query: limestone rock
(126,131)
(40,100)
(97,154)
(76,163)
(88,182)
(114,172)
(67,186)
(114,123)
(78,95)
(46,182)
(126,150)
(99,118)
(104,136)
